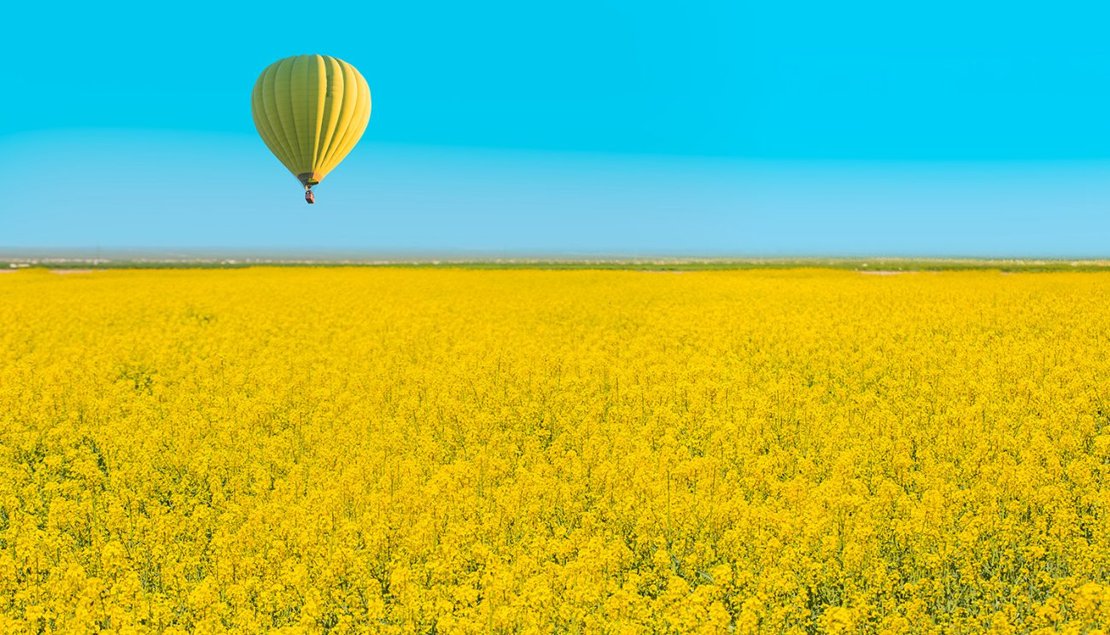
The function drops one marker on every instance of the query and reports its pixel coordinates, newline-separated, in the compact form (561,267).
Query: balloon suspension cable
(309,197)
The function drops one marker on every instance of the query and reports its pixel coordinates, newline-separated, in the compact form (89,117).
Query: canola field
(403,450)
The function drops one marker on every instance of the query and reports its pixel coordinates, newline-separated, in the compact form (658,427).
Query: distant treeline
(709,264)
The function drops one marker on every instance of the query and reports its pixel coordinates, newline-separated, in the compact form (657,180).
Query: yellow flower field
(465,451)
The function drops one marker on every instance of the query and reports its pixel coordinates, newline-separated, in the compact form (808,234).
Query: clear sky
(615,127)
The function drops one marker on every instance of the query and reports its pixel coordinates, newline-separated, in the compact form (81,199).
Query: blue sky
(619,127)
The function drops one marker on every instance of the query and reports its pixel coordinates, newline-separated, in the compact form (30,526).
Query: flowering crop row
(461,451)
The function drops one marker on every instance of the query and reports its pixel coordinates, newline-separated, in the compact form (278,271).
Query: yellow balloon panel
(310,110)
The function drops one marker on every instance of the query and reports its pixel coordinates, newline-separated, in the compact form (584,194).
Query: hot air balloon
(310,110)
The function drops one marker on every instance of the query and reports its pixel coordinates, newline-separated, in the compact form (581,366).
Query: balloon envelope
(310,110)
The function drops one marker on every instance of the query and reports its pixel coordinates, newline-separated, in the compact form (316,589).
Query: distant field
(453,449)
